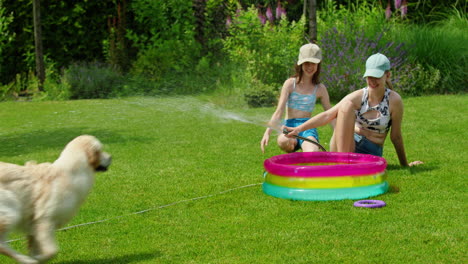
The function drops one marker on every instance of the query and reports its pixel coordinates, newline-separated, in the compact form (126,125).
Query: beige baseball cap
(310,53)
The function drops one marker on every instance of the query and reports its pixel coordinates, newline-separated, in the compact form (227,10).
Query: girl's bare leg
(286,144)
(343,136)
(333,143)
(309,147)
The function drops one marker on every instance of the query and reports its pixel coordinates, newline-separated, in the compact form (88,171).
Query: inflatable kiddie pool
(323,176)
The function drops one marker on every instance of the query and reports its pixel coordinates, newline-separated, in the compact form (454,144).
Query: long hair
(389,84)
(299,73)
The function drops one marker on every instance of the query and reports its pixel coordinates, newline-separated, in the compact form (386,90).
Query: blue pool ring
(304,194)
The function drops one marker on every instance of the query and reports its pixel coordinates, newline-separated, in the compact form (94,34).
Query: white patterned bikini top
(382,123)
(303,102)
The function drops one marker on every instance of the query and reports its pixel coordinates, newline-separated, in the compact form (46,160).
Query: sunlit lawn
(184,161)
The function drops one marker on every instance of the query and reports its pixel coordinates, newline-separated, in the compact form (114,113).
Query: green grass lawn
(192,157)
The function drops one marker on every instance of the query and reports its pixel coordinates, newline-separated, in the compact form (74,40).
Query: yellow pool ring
(326,182)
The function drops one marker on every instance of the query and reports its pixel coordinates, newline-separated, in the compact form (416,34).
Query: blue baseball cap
(376,65)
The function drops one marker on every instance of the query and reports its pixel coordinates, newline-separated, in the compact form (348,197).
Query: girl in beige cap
(364,117)
(298,97)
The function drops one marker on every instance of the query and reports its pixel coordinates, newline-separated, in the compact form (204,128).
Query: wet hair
(299,73)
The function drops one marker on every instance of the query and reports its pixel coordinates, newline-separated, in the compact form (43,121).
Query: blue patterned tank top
(303,102)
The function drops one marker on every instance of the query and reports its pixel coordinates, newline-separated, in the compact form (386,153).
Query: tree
(312,20)
(40,69)
(312,10)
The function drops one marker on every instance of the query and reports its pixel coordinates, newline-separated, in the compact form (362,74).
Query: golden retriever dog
(40,198)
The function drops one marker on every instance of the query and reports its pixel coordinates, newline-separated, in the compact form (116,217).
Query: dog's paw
(27,260)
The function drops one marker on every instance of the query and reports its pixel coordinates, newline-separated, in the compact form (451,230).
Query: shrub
(261,95)
(22,88)
(345,55)
(55,86)
(164,34)
(6,39)
(93,80)
(26,87)
(441,47)
(267,52)
(417,81)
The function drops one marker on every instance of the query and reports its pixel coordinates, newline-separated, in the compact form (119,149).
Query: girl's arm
(395,134)
(275,121)
(325,101)
(316,121)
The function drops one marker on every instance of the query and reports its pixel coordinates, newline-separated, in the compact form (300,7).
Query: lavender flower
(261,17)
(388,12)
(346,57)
(269,14)
(238,12)
(397,4)
(404,9)
(278,10)
(228,21)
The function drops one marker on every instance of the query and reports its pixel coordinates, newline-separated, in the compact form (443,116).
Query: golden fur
(39,198)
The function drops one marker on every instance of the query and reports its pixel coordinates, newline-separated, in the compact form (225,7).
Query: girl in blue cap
(298,97)
(365,117)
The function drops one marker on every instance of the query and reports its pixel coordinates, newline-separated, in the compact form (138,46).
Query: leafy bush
(266,52)
(427,59)
(441,47)
(345,55)
(164,34)
(261,95)
(165,57)
(417,81)
(94,80)
(24,87)
(339,15)
(55,86)
(6,37)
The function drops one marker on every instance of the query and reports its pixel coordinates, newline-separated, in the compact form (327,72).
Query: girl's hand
(290,132)
(415,163)
(264,142)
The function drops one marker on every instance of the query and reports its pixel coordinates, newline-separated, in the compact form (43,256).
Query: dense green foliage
(439,51)
(242,47)
(349,37)
(183,159)
(266,53)
(164,37)
(71,31)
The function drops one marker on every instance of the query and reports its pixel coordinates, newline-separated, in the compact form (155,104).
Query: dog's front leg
(43,245)
(33,246)
(7,251)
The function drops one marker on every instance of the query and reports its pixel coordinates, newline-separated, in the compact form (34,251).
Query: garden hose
(285,131)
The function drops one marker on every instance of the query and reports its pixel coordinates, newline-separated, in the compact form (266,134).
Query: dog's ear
(93,152)
(94,157)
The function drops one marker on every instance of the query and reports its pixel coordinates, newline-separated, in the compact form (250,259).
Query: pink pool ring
(323,176)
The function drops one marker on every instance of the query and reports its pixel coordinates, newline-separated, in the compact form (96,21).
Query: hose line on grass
(151,209)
